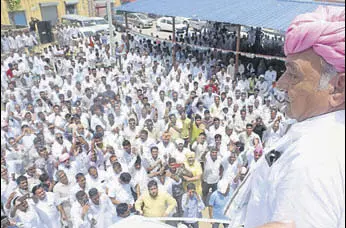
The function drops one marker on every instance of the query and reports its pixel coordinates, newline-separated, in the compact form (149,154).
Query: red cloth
(91,43)
(9,73)
(215,88)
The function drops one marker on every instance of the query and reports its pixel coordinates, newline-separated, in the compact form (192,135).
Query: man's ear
(337,97)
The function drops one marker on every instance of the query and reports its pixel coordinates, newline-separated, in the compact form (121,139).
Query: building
(50,10)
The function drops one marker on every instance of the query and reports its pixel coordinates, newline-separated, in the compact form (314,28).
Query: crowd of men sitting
(221,36)
(89,139)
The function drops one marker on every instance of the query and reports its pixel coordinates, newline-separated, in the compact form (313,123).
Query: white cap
(222,186)
(179,141)
(64,157)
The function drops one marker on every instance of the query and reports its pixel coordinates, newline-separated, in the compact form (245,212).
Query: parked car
(140,20)
(86,25)
(183,20)
(197,24)
(118,22)
(166,24)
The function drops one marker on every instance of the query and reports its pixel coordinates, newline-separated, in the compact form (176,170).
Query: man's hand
(13,194)
(85,209)
(168,174)
(64,217)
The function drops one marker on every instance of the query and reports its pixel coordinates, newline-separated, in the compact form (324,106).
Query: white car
(87,25)
(140,20)
(197,24)
(166,24)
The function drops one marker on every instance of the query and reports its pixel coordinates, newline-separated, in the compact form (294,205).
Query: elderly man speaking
(301,180)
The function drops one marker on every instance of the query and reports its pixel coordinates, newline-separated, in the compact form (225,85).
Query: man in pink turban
(300,182)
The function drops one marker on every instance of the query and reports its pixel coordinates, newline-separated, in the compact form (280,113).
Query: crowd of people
(89,138)
(224,36)
(17,41)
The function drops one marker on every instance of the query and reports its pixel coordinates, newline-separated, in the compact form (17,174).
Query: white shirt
(305,184)
(100,183)
(270,76)
(104,213)
(48,211)
(30,218)
(211,170)
(76,216)
(167,186)
(122,193)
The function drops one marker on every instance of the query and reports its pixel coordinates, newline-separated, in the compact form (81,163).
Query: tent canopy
(274,14)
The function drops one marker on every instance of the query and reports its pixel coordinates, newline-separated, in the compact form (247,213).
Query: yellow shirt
(196,132)
(156,207)
(186,128)
(196,170)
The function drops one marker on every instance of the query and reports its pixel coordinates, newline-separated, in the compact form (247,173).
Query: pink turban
(258,150)
(324,31)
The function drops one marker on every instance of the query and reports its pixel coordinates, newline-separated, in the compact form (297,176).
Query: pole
(127,33)
(173,37)
(238,50)
(111,31)
(91,8)
(126,21)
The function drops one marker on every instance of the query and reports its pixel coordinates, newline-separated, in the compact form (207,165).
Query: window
(17,18)
(71,9)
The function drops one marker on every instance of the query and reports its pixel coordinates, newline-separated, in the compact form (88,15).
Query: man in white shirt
(97,179)
(63,191)
(272,135)
(263,86)
(81,215)
(249,138)
(211,174)
(60,146)
(49,208)
(298,159)
(200,146)
(120,192)
(24,212)
(101,209)
(270,75)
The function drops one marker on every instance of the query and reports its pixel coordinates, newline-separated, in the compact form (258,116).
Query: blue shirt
(219,202)
(192,207)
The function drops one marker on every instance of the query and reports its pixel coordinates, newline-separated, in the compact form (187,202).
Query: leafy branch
(13,5)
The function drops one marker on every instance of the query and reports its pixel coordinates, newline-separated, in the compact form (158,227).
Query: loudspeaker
(45,31)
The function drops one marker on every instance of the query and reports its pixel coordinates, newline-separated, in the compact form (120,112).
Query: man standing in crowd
(155,203)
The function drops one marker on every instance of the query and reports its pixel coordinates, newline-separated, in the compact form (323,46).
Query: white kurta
(306,184)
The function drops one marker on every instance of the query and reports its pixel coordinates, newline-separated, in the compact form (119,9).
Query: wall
(32,9)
